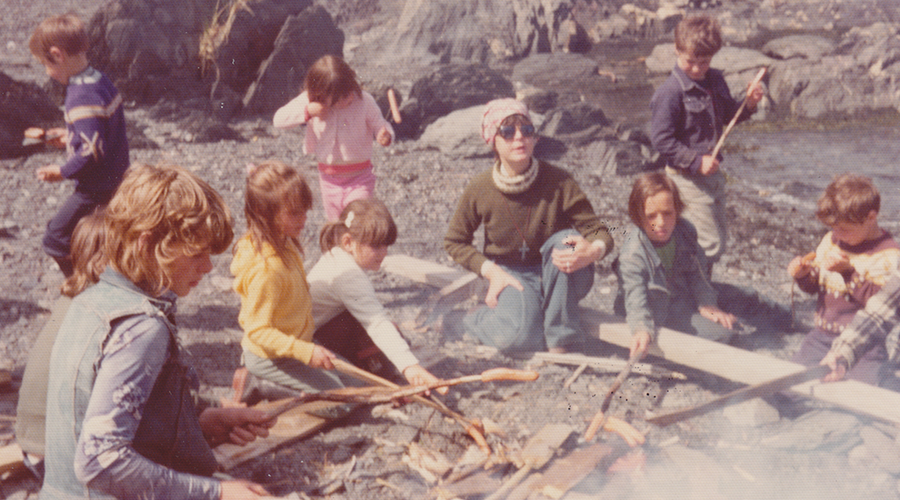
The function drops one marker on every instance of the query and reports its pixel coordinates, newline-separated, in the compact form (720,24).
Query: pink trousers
(339,190)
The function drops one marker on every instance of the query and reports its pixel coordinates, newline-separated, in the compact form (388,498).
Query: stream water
(794,166)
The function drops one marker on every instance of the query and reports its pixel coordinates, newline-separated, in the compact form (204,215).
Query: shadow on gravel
(11,311)
(210,317)
(215,362)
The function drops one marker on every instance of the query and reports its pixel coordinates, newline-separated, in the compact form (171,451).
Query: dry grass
(219,29)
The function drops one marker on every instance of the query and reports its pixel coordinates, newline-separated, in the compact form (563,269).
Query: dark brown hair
(88,261)
(65,32)
(271,186)
(648,185)
(332,77)
(699,36)
(368,222)
(849,198)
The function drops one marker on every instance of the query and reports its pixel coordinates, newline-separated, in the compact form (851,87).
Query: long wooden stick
(755,82)
(602,416)
(395,110)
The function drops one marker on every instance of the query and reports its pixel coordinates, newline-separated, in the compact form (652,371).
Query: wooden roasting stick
(473,427)
(395,110)
(602,417)
(754,391)
(755,82)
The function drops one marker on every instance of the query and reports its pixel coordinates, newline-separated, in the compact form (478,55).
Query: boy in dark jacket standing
(96,143)
(688,113)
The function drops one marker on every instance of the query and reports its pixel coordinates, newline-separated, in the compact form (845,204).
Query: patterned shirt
(878,322)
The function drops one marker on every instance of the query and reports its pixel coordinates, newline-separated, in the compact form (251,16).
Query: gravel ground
(421,188)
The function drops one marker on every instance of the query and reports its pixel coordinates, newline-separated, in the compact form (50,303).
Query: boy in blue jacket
(96,144)
(688,113)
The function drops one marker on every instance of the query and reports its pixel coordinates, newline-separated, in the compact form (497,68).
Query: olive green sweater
(552,203)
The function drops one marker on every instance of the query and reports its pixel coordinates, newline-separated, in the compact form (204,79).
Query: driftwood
(606,364)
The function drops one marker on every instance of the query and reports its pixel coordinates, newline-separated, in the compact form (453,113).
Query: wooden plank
(422,271)
(11,458)
(292,425)
(748,367)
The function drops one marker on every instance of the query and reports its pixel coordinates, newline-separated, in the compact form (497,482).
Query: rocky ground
(362,456)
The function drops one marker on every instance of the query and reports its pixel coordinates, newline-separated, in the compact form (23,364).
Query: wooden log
(292,425)
(748,367)
(422,271)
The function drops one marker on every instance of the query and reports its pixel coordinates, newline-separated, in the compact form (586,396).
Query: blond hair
(699,36)
(849,198)
(159,213)
(86,253)
(367,221)
(65,32)
(271,187)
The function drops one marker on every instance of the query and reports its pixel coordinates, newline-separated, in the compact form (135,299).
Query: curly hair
(159,213)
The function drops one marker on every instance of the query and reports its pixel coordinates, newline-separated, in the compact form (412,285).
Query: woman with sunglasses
(541,239)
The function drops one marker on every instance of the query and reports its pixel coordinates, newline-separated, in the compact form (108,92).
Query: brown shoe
(250,389)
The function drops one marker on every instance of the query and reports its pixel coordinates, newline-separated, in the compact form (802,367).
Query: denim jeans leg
(515,325)
(561,294)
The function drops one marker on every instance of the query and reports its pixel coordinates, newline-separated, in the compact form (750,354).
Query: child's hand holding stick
(753,84)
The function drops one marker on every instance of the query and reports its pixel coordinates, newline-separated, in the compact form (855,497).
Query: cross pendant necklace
(524,248)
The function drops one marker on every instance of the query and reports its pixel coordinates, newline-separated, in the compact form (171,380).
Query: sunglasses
(509,131)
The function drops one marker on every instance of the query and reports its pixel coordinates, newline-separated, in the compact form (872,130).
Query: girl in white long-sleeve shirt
(350,320)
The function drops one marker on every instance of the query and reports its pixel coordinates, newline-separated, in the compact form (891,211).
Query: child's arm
(717,315)
(666,131)
(375,121)
(104,457)
(296,112)
(634,280)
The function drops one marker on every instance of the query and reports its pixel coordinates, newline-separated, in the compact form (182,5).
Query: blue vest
(74,363)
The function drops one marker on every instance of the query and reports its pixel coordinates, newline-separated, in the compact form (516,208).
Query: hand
(56,137)
(416,375)
(836,261)
(755,94)
(640,343)
(709,165)
(799,268)
(241,490)
(238,426)
(383,137)
(316,109)
(838,367)
(50,173)
(498,280)
(719,316)
(579,254)
(322,358)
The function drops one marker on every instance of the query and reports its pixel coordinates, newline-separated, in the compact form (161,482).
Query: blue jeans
(543,315)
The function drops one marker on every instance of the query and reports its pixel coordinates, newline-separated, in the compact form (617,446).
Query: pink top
(358,123)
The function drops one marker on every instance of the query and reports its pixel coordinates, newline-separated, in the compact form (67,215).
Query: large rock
(457,134)
(303,39)
(577,124)
(474,30)
(538,69)
(23,105)
(451,87)
(808,47)
(150,49)
(860,76)
(242,43)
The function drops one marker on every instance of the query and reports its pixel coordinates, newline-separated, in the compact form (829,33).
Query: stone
(883,448)
(458,134)
(808,47)
(303,39)
(450,87)
(752,413)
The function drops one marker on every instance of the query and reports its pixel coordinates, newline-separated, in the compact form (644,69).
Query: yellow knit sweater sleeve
(276,309)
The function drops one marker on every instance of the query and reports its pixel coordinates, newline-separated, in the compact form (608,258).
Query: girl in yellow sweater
(276,309)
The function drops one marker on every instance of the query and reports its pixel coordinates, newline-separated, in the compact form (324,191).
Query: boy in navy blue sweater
(688,113)
(95,130)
